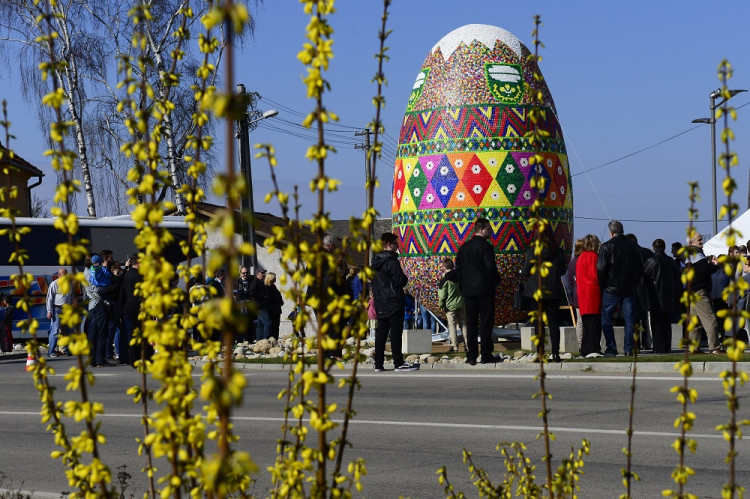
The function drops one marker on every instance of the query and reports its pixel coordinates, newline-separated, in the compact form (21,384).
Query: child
(99,276)
(372,316)
(452,302)
(6,324)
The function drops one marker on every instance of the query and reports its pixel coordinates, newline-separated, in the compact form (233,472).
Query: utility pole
(368,178)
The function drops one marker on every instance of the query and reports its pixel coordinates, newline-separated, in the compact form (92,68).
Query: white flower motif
(400,174)
(553,195)
(398,194)
(511,188)
(408,166)
(539,169)
(495,195)
(415,174)
(444,190)
(527,195)
(417,191)
(406,199)
(430,165)
(460,196)
(477,189)
(562,190)
(476,169)
(524,161)
(459,163)
(509,169)
(430,198)
(559,170)
(493,161)
(443,170)
(549,163)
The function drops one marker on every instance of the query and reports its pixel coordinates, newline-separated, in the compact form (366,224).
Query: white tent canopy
(717,245)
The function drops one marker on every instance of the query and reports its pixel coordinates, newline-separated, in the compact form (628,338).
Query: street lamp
(712,121)
(246,203)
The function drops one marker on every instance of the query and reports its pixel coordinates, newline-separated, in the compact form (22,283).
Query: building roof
(21,163)
(265,222)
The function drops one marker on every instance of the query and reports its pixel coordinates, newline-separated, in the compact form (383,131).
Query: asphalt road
(408,425)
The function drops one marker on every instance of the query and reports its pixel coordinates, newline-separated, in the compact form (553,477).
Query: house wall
(272,263)
(20,180)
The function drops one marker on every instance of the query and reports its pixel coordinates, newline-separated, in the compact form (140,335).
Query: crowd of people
(113,306)
(601,280)
(646,286)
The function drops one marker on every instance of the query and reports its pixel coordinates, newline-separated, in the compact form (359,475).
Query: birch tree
(93,35)
(76,44)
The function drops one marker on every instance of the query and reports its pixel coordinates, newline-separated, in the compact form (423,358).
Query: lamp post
(246,202)
(712,121)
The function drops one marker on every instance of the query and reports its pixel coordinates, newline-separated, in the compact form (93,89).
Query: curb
(551,368)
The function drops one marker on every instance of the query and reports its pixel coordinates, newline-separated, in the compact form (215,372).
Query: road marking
(535,429)
(532,376)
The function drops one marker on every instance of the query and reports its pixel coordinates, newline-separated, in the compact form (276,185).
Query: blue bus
(113,233)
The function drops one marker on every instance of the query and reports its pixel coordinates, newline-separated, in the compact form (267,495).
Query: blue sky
(625,76)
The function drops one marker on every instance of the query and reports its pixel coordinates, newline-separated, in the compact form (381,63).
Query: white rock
(239,351)
(261,346)
(431,359)
(274,351)
(566,356)
(528,359)
(412,358)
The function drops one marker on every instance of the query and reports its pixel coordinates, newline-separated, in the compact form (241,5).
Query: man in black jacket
(619,270)
(479,276)
(662,277)
(388,294)
(130,305)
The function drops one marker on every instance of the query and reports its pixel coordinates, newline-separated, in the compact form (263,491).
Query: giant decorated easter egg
(463,154)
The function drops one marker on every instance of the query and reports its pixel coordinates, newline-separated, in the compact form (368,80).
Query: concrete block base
(416,341)
(569,341)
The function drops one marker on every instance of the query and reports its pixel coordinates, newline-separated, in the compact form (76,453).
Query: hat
(96,260)
(260,270)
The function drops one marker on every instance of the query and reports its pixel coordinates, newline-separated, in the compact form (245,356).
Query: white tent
(717,245)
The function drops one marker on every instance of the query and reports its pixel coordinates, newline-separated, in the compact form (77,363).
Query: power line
(647,148)
(642,221)
(636,152)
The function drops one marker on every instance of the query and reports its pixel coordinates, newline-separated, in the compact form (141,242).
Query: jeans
(263,332)
(97,335)
(609,303)
(427,322)
(55,328)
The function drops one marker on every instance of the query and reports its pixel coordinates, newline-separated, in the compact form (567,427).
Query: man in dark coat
(619,270)
(130,305)
(661,272)
(479,277)
(643,302)
(388,294)
(257,294)
(242,297)
(551,288)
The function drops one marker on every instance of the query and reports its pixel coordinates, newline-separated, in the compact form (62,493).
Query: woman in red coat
(589,296)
